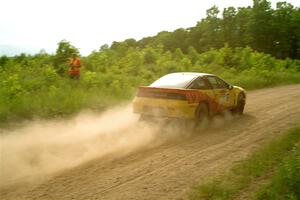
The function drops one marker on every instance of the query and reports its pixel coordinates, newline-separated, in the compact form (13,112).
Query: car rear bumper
(164,107)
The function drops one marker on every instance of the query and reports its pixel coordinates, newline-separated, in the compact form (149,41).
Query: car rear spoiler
(161,93)
(158,89)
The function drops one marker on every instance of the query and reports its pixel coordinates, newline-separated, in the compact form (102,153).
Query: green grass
(285,184)
(261,163)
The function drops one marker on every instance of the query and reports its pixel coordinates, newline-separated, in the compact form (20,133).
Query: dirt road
(168,170)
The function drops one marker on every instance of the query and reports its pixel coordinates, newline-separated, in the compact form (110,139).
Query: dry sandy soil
(114,157)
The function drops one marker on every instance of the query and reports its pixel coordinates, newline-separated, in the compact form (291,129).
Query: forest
(253,47)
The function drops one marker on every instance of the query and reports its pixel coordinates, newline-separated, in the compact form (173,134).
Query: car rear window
(174,81)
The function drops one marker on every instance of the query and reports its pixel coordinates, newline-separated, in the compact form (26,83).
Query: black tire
(241,101)
(202,112)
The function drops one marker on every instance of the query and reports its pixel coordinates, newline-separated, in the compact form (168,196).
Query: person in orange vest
(75,65)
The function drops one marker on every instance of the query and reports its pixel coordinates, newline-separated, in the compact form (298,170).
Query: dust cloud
(41,148)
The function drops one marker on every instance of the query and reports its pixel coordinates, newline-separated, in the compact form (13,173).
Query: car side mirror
(230,87)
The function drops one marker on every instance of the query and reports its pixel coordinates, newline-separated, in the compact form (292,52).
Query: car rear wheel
(202,112)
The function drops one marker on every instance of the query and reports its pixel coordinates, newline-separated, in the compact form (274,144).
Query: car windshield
(176,80)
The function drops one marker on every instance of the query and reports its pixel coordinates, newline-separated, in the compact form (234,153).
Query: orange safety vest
(75,65)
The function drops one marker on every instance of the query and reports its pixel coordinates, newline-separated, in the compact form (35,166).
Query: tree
(104,47)
(63,54)
(260,28)
(229,26)
(295,35)
(3,60)
(242,21)
(281,24)
(210,30)
(274,31)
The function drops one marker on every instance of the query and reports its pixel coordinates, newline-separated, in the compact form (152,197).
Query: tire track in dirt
(167,171)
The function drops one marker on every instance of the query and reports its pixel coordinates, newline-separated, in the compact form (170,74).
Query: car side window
(222,84)
(199,83)
(217,83)
(213,82)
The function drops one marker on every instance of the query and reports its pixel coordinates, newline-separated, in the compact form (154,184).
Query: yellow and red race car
(188,95)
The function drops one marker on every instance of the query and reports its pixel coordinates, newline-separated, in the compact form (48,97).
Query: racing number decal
(223,97)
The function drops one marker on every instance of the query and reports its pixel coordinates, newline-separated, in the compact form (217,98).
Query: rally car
(189,95)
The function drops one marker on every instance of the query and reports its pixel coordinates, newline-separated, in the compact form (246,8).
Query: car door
(223,95)
(202,86)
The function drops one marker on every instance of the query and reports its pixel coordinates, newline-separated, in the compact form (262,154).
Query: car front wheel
(239,109)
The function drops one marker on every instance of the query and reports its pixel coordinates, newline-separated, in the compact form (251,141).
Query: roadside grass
(285,184)
(279,157)
(60,98)
(256,81)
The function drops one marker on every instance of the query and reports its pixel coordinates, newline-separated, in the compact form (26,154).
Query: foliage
(273,31)
(31,86)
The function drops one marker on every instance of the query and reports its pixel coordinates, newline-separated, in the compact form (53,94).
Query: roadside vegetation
(248,47)
(271,172)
